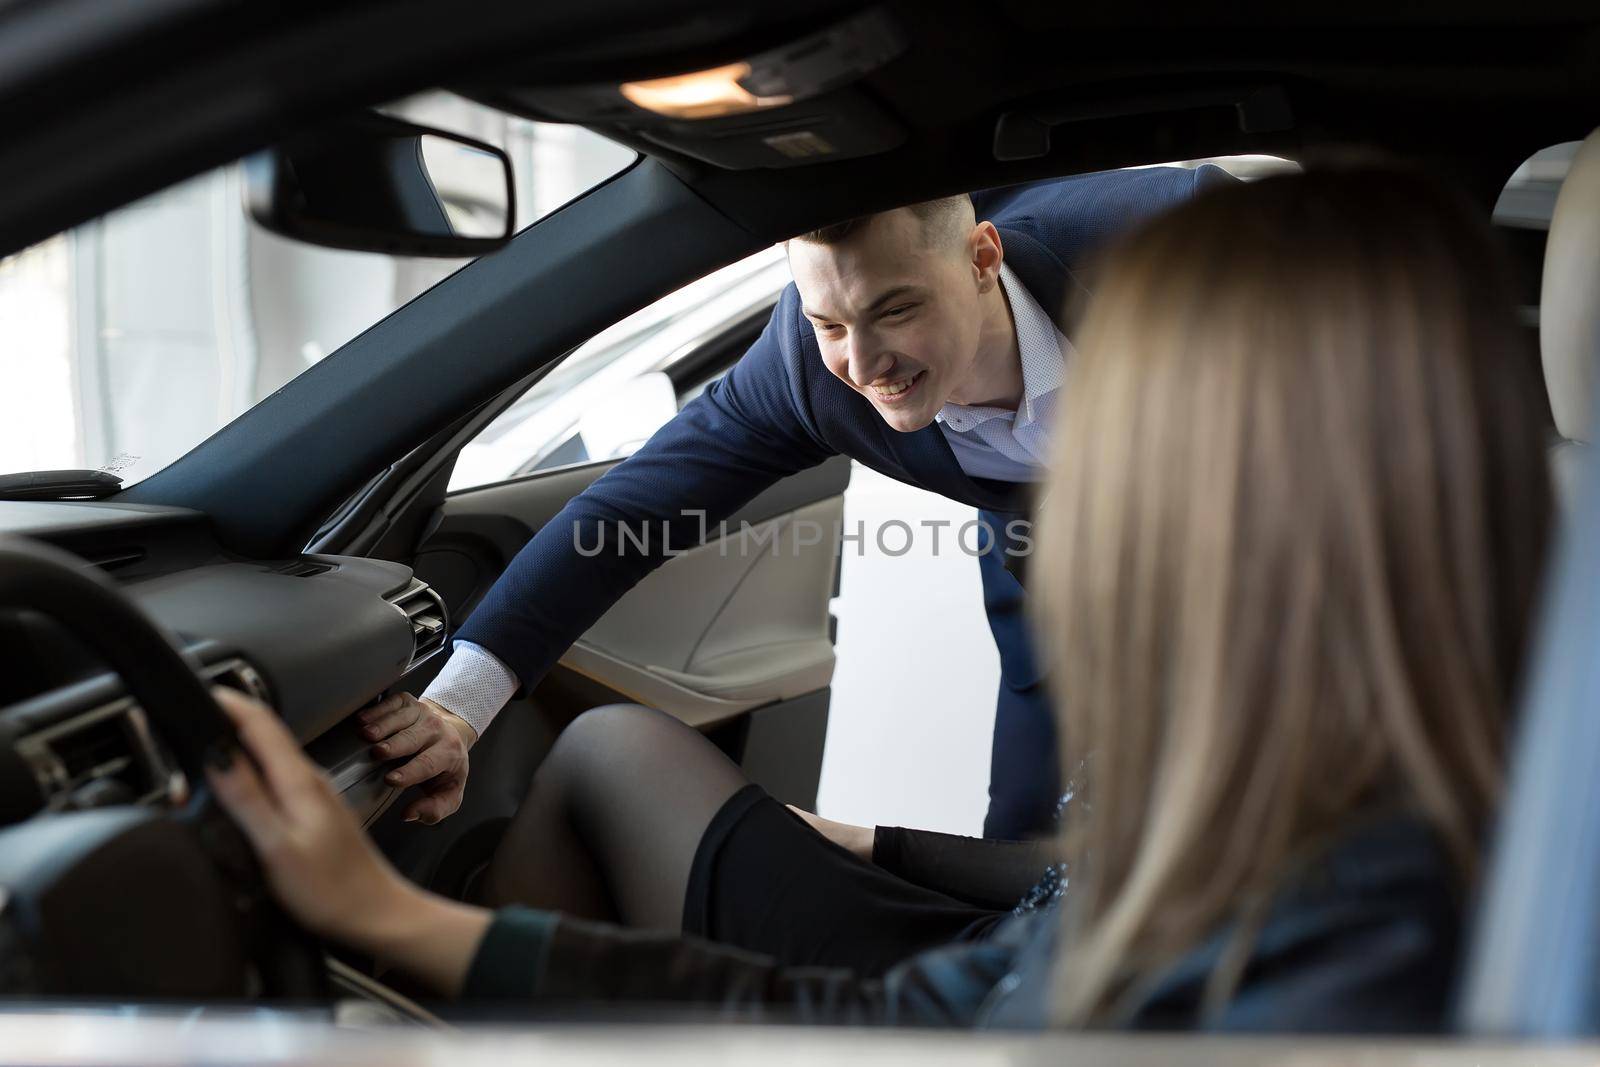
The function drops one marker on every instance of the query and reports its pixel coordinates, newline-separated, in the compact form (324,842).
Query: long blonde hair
(1287,555)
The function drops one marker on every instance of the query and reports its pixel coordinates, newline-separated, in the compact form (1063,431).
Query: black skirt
(764,880)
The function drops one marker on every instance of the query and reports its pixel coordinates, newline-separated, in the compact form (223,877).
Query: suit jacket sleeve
(745,432)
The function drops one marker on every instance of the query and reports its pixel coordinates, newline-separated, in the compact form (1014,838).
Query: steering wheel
(73,882)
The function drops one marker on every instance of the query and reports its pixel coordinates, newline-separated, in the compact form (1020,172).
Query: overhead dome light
(704,94)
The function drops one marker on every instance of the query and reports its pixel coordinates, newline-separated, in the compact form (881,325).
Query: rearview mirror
(372,183)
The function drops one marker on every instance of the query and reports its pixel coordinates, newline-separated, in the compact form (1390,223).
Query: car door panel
(737,624)
(476,532)
(729,626)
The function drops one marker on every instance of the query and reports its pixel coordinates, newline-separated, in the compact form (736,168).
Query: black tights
(612,822)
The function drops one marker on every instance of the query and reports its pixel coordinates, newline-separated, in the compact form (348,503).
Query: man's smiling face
(897,307)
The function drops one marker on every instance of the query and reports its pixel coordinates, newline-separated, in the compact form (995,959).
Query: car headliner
(105,103)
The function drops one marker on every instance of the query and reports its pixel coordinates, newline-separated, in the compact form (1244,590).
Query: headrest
(1569,302)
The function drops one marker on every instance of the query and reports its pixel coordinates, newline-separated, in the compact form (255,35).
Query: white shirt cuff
(473,685)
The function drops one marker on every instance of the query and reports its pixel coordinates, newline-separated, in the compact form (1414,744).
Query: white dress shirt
(474,685)
(988,442)
(1012,446)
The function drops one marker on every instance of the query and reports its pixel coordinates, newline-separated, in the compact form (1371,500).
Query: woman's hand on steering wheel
(321,866)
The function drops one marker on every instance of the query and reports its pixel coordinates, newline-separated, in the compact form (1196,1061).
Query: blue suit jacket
(779,411)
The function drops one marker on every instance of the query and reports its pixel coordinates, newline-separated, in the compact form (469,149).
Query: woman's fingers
(284,767)
(242,795)
(816,822)
(852,838)
(320,866)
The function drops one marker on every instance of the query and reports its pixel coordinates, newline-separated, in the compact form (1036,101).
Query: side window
(610,394)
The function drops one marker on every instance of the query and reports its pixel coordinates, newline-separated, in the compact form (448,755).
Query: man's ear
(983,246)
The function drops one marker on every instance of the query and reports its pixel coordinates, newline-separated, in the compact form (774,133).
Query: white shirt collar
(1044,350)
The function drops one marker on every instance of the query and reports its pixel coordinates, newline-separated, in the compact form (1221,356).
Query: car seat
(1534,964)
(1569,313)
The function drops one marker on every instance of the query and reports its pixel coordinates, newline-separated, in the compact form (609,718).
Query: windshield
(128,340)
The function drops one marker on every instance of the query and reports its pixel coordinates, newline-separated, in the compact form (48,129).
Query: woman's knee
(598,736)
(611,723)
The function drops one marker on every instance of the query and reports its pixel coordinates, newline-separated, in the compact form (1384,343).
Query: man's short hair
(938,217)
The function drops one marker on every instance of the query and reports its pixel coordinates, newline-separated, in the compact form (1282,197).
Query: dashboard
(316,636)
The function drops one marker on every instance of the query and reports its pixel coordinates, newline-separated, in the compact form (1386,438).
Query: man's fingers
(383,707)
(394,717)
(428,811)
(438,805)
(267,739)
(425,765)
(414,738)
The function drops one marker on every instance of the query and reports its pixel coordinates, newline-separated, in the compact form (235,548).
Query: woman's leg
(612,822)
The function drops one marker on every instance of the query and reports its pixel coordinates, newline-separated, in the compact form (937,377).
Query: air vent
(429,622)
(95,748)
(104,756)
(237,674)
(107,755)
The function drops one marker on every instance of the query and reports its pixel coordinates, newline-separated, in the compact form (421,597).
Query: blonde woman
(1287,563)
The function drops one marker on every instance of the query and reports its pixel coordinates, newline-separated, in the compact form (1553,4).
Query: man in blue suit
(921,342)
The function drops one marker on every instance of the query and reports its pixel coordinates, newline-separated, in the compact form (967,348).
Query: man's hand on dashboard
(437,742)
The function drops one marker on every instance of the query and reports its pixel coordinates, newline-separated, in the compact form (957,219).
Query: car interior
(321,586)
